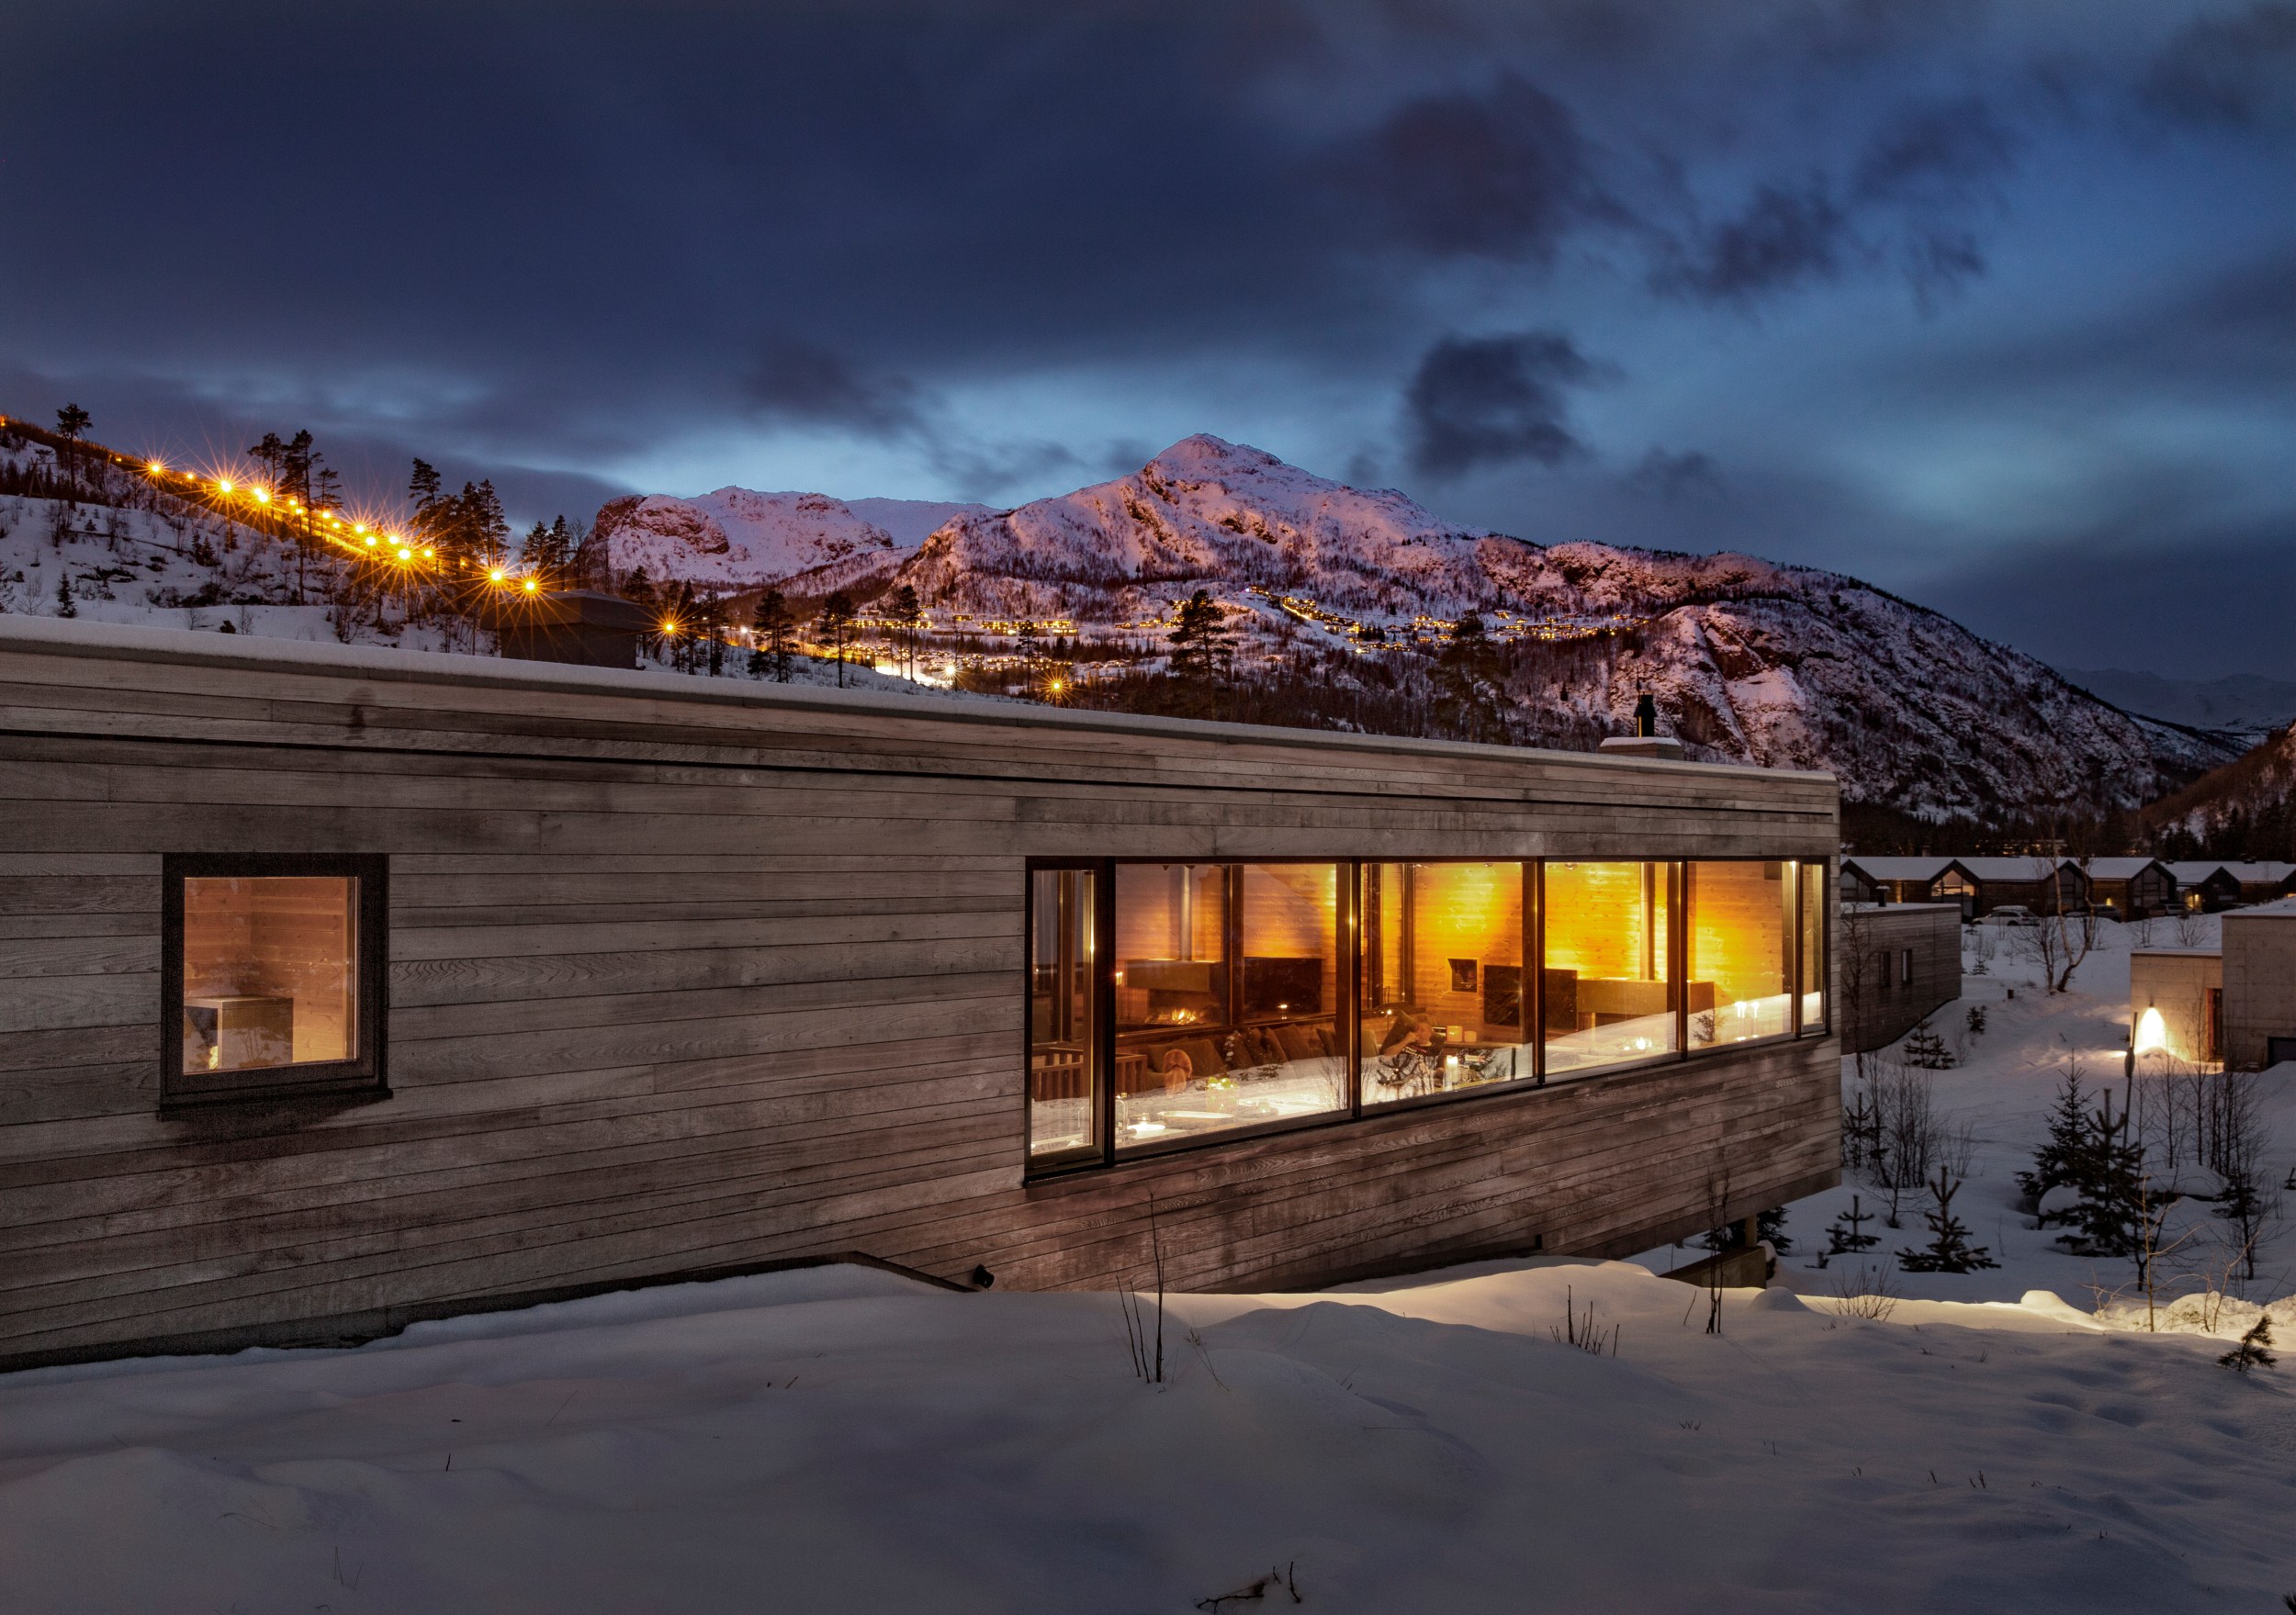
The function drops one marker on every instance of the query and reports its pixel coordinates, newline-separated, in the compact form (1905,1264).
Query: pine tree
(424,490)
(64,607)
(71,424)
(1926,1050)
(1847,1236)
(2239,1204)
(909,613)
(837,621)
(1977,1020)
(775,629)
(1202,651)
(2111,1212)
(2061,1160)
(1948,1249)
(2253,1350)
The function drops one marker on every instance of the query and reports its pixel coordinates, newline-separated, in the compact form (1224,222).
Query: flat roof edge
(135,642)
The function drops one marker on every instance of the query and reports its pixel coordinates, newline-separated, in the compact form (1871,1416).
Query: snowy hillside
(736,538)
(1748,660)
(166,563)
(2247,809)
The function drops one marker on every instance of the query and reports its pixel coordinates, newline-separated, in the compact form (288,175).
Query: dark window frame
(366,1071)
(1813,878)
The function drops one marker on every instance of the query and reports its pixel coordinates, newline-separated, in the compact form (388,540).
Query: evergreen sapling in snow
(1926,1050)
(2254,1349)
(1948,1249)
(1847,1236)
(2058,1163)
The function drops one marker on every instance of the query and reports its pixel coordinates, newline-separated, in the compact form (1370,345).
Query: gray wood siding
(1877,1007)
(689,975)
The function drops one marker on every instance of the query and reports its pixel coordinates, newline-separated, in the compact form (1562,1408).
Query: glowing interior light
(2152,1032)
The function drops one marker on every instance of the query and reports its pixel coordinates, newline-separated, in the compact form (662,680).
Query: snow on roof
(1897,869)
(2008,868)
(2279,908)
(2259,871)
(2117,868)
(2192,871)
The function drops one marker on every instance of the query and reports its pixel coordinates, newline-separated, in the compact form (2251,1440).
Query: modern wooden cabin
(342,986)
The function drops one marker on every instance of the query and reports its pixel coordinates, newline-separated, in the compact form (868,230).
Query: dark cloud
(1782,238)
(802,382)
(1479,401)
(1501,171)
(1935,153)
(2231,72)
(1666,475)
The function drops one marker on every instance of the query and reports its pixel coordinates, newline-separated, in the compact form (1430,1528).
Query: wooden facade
(1899,964)
(697,976)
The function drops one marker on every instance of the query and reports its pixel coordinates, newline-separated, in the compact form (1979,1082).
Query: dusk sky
(1992,305)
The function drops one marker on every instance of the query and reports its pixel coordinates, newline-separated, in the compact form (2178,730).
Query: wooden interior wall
(682,979)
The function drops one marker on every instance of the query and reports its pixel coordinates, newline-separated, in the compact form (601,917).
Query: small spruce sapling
(2061,1162)
(1925,1050)
(1847,1235)
(1948,1249)
(1977,1020)
(2112,1211)
(2253,1350)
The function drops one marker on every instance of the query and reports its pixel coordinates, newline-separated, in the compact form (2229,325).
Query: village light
(495,576)
(2152,1032)
(222,484)
(534,585)
(156,469)
(263,496)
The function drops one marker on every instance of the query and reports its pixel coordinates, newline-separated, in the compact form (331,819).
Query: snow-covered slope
(738,538)
(2249,804)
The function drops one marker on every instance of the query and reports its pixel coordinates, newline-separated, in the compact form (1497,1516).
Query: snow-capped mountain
(1748,661)
(736,538)
(2247,809)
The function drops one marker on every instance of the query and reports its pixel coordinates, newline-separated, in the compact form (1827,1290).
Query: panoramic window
(272,976)
(1228,983)
(1740,933)
(1063,1088)
(1813,949)
(1608,994)
(1443,998)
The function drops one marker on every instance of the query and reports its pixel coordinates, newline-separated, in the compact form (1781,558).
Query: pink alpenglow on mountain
(738,539)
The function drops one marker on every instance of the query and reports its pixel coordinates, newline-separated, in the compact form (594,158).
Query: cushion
(1299,1042)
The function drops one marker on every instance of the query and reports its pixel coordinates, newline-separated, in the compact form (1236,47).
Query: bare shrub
(1864,1291)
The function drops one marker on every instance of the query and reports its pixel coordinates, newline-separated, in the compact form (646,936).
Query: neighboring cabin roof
(2026,870)
(2121,868)
(2193,871)
(2260,872)
(1899,868)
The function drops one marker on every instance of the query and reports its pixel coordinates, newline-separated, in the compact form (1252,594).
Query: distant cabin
(2212,887)
(2129,888)
(2232,1006)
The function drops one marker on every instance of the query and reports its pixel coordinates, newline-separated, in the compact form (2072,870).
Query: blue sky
(1993,304)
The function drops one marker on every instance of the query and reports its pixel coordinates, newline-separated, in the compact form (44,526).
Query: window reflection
(1607,991)
(1740,938)
(270,972)
(1813,949)
(1442,979)
(1227,989)
(1063,1050)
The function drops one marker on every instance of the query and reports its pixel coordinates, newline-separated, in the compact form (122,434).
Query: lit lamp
(2152,1032)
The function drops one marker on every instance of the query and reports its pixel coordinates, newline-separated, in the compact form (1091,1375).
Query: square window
(272,976)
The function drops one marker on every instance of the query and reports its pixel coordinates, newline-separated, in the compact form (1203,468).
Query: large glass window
(270,977)
(1607,985)
(1813,895)
(1740,933)
(1442,990)
(1228,987)
(1063,1052)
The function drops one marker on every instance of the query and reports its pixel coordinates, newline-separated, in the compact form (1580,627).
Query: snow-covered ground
(841,1439)
(2001,1093)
